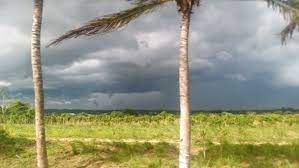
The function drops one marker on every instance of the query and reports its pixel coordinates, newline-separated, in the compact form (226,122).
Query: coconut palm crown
(116,21)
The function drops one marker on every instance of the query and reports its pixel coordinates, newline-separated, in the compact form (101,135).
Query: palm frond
(183,5)
(286,6)
(290,11)
(111,22)
(288,31)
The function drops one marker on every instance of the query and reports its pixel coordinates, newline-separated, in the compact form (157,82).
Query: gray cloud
(236,58)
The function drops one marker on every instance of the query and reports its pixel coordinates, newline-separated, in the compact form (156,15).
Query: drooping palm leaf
(286,6)
(182,4)
(290,10)
(112,22)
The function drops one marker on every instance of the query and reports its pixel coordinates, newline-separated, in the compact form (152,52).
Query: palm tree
(42,160)
(115,21)
(118,20)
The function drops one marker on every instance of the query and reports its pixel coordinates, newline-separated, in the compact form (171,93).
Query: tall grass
(163,118)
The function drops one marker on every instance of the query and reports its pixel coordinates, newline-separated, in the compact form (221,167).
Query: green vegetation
(17,112)
(128,139)
(294,3)
(21,113)
(95,154)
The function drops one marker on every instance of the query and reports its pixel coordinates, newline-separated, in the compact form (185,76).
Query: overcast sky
(237,60)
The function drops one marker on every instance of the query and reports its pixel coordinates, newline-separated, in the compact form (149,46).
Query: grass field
(219,140)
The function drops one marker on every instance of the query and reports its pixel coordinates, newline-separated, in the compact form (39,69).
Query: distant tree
(18,108)
(19,111)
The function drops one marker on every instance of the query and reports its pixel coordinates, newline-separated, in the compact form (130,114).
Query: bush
(18,112)
(4,138)
(19,108)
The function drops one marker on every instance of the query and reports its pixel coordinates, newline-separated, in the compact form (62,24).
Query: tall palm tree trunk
(185,122)
(42,160)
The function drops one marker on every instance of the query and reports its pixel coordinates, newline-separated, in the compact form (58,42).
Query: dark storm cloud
(236,57)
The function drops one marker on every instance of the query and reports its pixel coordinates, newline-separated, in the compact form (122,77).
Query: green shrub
(83,148)
(21,113)
(18,112)
(4,137)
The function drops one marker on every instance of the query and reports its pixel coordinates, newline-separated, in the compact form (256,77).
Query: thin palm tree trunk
(185,122)
(42,160)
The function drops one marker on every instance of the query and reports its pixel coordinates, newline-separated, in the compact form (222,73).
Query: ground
(263,143)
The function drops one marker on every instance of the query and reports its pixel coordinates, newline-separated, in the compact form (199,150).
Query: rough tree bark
(42,160)
(185,122)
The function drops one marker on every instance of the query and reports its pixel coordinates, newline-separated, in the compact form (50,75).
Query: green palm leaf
(112,22)
(290,10)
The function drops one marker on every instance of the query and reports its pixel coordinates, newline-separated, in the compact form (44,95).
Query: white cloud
(237,76)
(224,56)
(200,63)
(4,84)
(155,40)
(13,37)
(288,76)
(238,45)
(77,68)
(149,100)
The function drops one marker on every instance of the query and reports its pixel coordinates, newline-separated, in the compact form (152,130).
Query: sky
(236,57)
